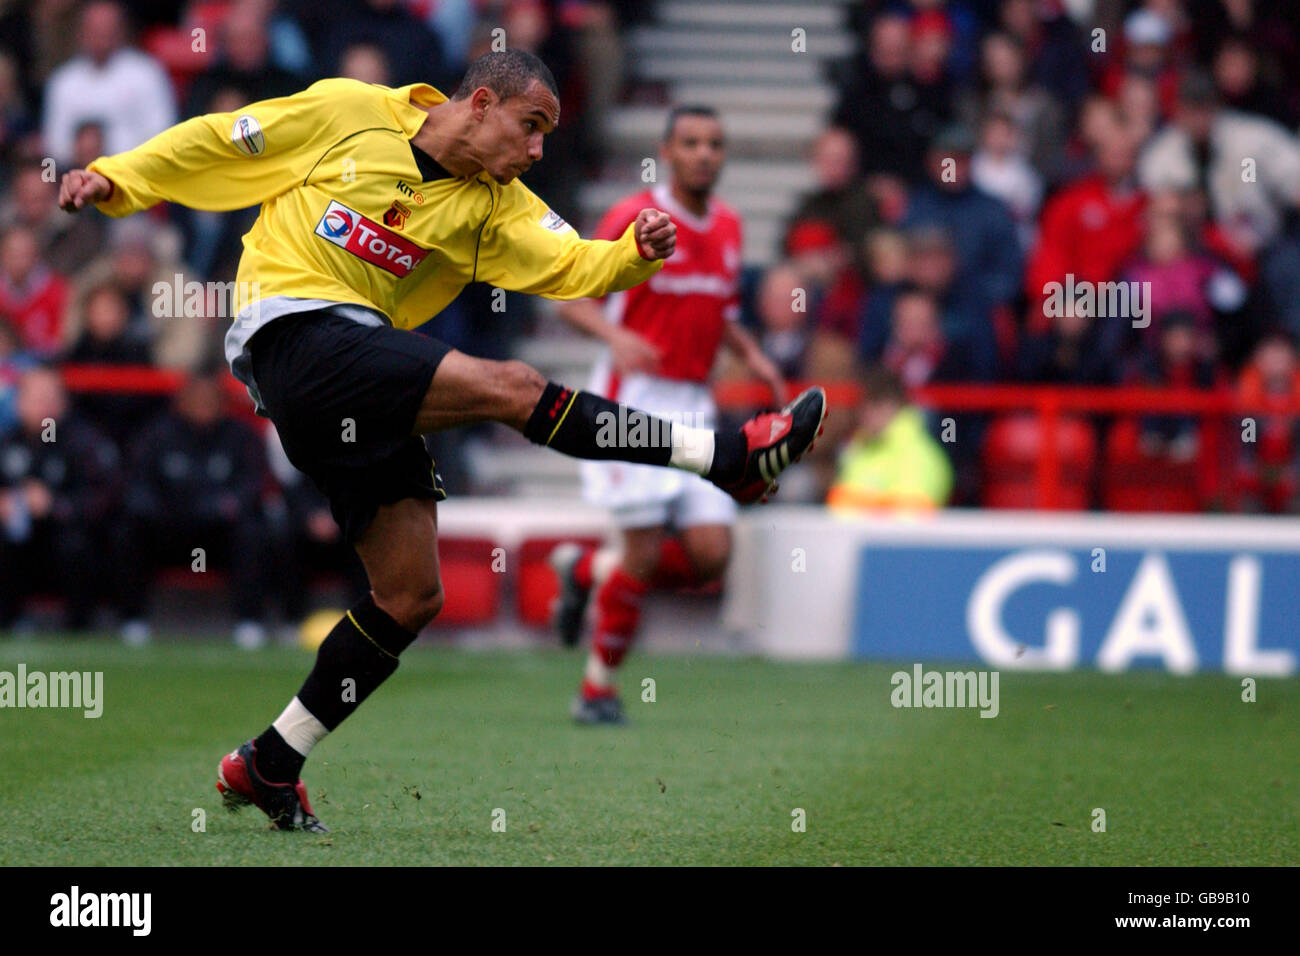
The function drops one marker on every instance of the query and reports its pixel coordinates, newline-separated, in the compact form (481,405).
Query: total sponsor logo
(368,240)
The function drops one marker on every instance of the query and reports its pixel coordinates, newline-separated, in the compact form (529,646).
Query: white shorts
(646,496)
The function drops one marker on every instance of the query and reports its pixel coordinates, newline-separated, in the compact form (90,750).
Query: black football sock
(585,425)
(358,655)
(276,760)
(729,453)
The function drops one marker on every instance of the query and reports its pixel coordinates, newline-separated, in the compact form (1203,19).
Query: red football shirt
(682,307)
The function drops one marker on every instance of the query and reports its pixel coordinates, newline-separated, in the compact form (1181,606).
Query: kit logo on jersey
(247,136)
(553,222)
(368,240)
(411,191)
(395,218)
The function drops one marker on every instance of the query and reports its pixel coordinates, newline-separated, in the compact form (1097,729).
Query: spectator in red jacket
(1268,474)
(32,296)
(1089,229)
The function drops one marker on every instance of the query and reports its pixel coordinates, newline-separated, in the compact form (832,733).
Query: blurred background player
(663,338)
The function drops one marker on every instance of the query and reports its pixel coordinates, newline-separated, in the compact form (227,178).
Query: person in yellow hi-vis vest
(891,463)
(378,206)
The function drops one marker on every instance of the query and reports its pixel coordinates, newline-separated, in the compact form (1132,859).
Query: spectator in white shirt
(1249,166)
(109,83)
(1000,169)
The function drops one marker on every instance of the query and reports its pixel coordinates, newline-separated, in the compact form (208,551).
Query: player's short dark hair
(690,109)
(880,384)
(506,73)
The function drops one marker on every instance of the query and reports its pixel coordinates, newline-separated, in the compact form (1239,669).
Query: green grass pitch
(709,773)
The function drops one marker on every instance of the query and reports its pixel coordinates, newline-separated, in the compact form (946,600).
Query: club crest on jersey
(247,136)
(395,218)
(368,240)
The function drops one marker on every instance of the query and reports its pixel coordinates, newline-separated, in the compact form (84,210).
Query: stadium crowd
(980,151)
(987,159)
(98,489)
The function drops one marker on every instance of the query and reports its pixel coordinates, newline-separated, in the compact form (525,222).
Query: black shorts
(344,398)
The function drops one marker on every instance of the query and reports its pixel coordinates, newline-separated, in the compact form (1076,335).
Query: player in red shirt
(663,338)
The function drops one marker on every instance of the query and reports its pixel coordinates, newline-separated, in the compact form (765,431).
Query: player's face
(509,135)
(695,152)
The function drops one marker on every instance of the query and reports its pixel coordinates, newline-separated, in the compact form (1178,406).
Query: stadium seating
(1132,480)
(470,583)
(1011,452)
(536,585)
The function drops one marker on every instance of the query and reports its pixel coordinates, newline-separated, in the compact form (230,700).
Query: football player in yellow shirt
(378,206)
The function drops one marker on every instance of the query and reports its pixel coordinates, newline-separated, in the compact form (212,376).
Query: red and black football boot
(774,441)
(286,804)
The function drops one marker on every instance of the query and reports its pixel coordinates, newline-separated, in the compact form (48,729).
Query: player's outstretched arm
(528,248)
(224,161)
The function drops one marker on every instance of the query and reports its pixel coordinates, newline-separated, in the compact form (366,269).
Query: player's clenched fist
(82,188)
(655,233)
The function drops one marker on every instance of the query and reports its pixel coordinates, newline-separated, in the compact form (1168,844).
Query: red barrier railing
(140,379)
(146,380)
(1049,403)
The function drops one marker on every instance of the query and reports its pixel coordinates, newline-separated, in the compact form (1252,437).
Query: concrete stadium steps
(798,68)
(733,44)
(810,14)
(525,470)
(777,133)
(735,56)
(817,96)
(565,356)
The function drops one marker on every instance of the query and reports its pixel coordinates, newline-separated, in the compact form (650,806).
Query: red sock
(592,691)
(618,614)
(675,568)
(582,569)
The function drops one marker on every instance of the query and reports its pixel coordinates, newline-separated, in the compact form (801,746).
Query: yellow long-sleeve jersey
(348,215)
